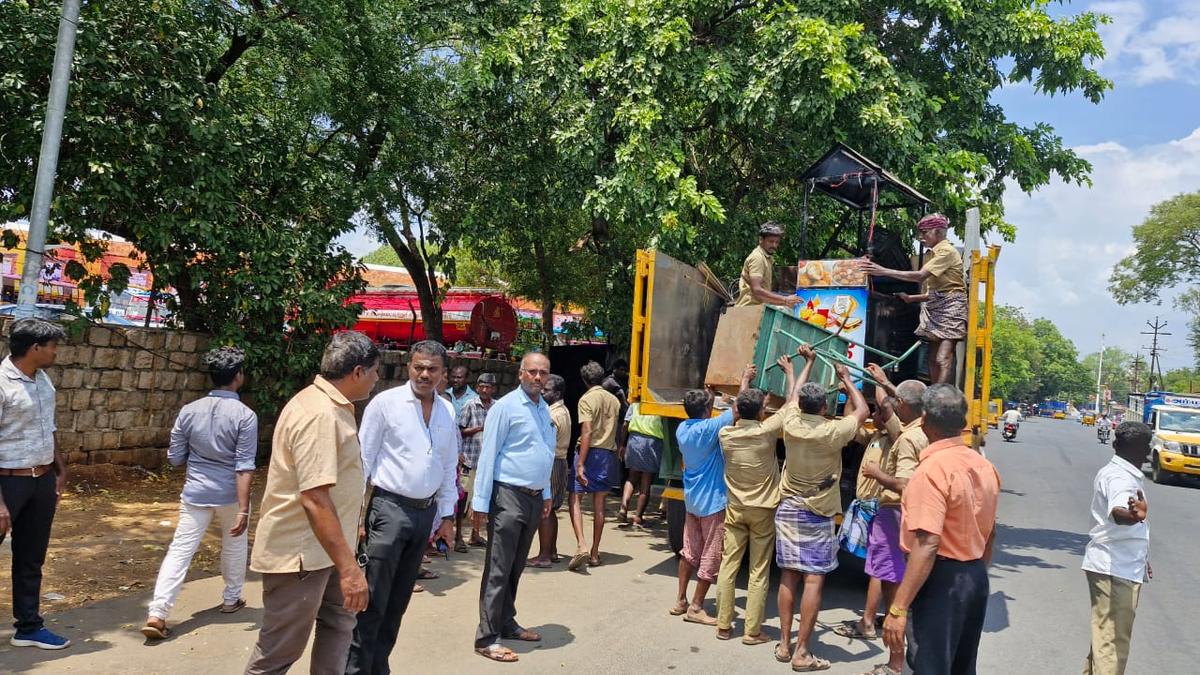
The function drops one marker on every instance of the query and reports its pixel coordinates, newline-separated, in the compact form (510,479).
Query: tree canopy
(1033,361)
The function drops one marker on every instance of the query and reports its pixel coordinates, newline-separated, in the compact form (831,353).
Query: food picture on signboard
(834,297)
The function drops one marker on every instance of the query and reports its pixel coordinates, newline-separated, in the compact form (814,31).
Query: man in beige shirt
(597,468)
(805,541)
(890,460)
(306,536)
(752,482)
(758,271)
(560,419)
(944,302)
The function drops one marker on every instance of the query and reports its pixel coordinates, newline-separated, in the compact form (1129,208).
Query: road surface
(614,618)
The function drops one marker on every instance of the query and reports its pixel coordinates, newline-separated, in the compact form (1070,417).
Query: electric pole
(1099,373)
(47,166)
(1156,330)
(1135,382)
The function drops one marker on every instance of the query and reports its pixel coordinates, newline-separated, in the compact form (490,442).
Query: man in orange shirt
(948,522)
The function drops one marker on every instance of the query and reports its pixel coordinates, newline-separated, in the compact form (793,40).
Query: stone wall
(119,390)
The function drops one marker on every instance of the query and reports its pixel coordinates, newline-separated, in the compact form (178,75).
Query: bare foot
(679,608)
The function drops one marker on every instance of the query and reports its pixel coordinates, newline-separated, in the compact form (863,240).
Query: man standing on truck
(704,498)
(944,302)
(805,540)
(758,271)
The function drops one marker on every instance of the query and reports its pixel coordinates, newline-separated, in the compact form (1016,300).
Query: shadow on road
(997,612)
(553,636)
(1010,539)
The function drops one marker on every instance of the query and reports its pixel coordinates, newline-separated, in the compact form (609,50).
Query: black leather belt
(532,492)
(419,504)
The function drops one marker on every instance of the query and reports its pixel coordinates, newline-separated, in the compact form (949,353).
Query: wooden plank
(733,347)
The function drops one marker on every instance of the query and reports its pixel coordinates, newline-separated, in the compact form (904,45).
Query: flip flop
(497,653)
(577,561)
(418,588)
(882,669)
(461,547)
(813,666)
(851,629)
(703,620)
(539,564)
(676,611)
(524,635)
(230,609)
(724,634)
(752,640)
(152,632)
(784,656)
(478,543)
(426,575)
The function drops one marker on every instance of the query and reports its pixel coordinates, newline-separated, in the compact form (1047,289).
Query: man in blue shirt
(512,486)
(704,497)
(217,438)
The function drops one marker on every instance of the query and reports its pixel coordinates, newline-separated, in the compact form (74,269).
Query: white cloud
(1145,47)
(1069,237)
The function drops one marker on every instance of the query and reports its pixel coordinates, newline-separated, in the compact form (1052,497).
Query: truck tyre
(676,514)
(1157,473)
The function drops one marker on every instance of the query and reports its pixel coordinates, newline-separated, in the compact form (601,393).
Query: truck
(677,308)
(1174,420)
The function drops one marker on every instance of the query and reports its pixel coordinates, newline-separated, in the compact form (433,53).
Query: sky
(1143,141)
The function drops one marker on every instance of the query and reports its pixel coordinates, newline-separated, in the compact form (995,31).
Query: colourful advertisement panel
(830,274)
(831,308)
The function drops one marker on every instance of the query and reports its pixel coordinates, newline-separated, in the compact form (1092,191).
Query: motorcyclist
(1103,425)
(1011,416)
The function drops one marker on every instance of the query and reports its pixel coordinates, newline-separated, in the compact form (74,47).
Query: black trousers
(947,618)
(397,535)
(31,503)
(513,520)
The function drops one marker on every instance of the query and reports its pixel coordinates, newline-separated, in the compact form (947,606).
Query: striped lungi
(804,541)
(943,316)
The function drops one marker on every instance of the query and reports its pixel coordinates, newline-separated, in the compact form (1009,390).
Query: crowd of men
(350,509)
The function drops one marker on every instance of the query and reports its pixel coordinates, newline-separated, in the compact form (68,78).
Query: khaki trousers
(1114,605)
(752,528)
(292,602)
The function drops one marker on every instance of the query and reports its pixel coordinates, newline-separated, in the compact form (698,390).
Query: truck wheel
(676,514)
(1158,474)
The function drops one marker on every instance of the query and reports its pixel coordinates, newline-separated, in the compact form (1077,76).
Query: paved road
(614,618)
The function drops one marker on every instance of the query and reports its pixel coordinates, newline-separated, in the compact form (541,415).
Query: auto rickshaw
(1089,420)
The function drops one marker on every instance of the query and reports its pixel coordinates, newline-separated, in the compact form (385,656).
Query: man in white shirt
(1011,416)
(409,439)
(1117,558)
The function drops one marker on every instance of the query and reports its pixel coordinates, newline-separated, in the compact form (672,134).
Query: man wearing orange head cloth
(944,302)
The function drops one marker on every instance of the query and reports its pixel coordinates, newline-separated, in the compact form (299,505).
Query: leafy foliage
(1033,361)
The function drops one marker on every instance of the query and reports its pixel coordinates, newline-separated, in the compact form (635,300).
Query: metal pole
(1099,372)
(47,167)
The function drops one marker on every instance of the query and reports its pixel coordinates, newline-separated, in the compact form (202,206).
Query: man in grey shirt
(217,437)
(32,472)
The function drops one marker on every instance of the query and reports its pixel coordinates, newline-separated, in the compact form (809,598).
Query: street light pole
(1099,372)
(47,167)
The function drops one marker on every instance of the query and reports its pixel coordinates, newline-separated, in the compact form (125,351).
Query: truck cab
(1175,446)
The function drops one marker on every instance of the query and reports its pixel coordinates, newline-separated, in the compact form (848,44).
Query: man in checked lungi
(805,541)
(889,461)
(944,302)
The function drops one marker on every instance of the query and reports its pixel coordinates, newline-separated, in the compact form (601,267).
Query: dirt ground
(110,533)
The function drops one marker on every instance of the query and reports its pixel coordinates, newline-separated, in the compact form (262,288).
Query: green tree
(1115,375)
(693,121)
(1182,380)
(1014,350)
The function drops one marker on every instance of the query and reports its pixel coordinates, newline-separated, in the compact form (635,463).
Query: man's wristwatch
(897,612)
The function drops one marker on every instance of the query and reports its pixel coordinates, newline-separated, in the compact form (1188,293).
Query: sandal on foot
(497,653)
(153,632)
(678,610)
(784,656)
(538,564)
(418,588)
(882,669)
(426,574)
(854,631)
(578,561)
(595,562)
(816,663)
(461,547)
(752,640)
(701,618)
(478,543)
(724,633)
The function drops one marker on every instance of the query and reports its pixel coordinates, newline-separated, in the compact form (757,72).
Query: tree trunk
(424,280)
(539,257)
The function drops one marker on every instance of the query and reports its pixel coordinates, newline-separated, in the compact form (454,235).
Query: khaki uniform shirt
(877,444)
(758,264)
(813,447)
(315,444)
(603,411)
(898,458)
(751,470)
(945,267)
(560,418)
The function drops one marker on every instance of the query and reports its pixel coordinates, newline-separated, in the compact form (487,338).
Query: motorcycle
(1010,431)
(1102,433)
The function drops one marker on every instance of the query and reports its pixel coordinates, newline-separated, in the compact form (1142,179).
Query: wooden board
(733,347)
